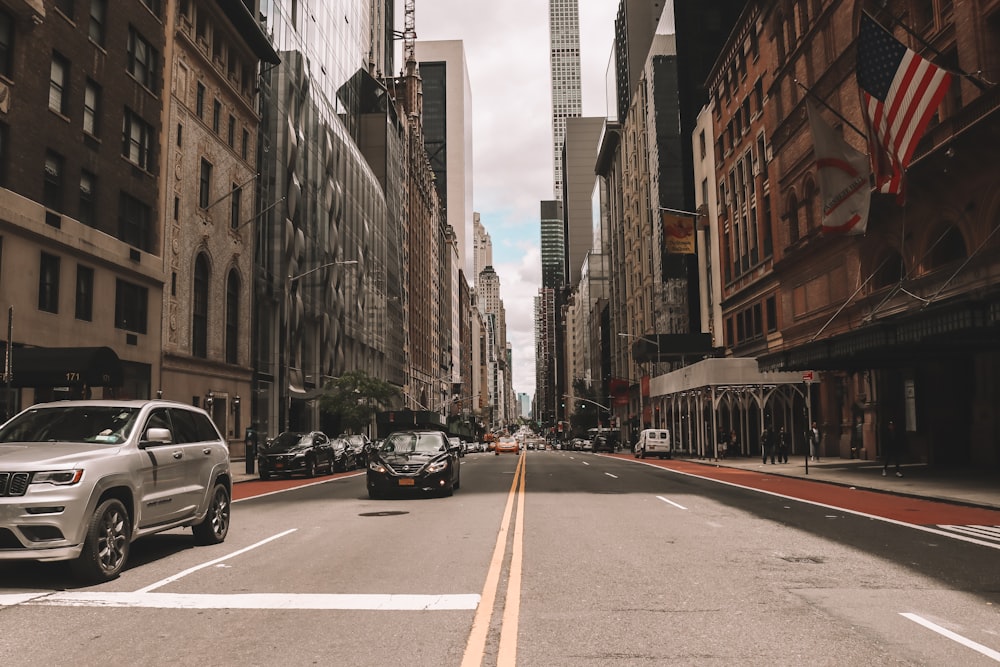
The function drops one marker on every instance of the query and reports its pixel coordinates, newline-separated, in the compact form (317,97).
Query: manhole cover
(392,513)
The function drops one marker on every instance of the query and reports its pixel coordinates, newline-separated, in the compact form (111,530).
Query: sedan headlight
(377,466)
(57,477)
(438,466)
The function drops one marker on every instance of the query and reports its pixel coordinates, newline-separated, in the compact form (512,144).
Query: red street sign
(807,376)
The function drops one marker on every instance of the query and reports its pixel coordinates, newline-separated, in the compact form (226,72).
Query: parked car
(653,442)
(416,460)
(359,444)
(457,442)
(605,442)
(344,458)
(82,480)
(295,452)
(506,445)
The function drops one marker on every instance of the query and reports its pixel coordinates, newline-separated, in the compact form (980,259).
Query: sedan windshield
(402,443)
(103,425)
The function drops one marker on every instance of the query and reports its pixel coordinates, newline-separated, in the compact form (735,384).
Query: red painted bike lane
(906,509)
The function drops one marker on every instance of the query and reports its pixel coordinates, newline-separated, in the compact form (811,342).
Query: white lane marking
(964,641)
(389,602)
(916,526)
(164,582)
(584,463)
(671,502)
(610,475)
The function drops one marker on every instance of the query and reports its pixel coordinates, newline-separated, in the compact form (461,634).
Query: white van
(653,442)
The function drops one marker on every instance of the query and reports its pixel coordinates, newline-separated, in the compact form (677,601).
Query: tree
(353,398)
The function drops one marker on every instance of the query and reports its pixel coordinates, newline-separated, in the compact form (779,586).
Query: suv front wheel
(215,526)
(106,545)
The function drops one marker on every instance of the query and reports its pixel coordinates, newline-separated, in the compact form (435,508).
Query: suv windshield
(430,443)
(109,425)
(288,441)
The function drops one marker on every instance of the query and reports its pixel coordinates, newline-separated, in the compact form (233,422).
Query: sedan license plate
(279,465)
(406,481)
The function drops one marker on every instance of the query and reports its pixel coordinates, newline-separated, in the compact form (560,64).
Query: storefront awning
(297,389)
(39,367)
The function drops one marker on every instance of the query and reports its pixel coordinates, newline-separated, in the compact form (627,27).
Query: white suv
(81,480)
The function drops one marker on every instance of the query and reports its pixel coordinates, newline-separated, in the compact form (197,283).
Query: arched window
(793,220)
(949,247)
(809,204)
(232,317)
(889,270)
(199,309)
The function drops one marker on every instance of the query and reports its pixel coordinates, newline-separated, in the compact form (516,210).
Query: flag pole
(836,113)
(974,79)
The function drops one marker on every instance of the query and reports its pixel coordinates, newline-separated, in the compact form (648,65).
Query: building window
(205,183)
(180,135)
(88,194)
(84,293)
(131,305)
(58,83)
(6,42)
(234,210)
(52,191)
(232,132)
(137,140)
(199,104)
(199,310)
(91,107)
(48,283)
(3,153)
(98,18)
(949,246)
(153,6)
(216,115)
(232,317)
(142,59)
(771,314)
(134,222)
(245,145)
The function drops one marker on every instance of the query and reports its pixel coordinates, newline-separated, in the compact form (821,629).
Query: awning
(39,367)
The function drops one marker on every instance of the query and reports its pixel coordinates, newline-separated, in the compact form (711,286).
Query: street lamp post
(642,408)
(289,352)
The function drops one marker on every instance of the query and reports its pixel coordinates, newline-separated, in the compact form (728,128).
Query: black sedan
(296,453)
(414,461)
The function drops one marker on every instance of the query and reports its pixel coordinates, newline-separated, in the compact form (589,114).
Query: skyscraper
(564,63)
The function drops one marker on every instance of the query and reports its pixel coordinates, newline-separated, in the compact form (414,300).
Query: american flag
(900,93)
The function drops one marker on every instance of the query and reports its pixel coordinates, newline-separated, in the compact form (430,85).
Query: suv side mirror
(157,436)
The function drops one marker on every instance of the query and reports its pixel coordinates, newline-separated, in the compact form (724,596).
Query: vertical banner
(844,178)
(678,233)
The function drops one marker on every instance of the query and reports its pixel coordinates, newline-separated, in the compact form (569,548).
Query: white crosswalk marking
(991,533)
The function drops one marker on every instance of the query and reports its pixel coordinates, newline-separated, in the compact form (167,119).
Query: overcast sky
(507,53)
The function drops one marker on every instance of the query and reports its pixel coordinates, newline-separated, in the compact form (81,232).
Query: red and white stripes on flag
(900,93)
(844,178)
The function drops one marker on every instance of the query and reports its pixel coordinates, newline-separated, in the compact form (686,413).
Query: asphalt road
(550,558)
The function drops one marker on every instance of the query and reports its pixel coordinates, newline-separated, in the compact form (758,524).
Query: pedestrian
(782,445)
(767,444)
(857,437)
(723,440)
(733,445)
(893,448)
(813,442)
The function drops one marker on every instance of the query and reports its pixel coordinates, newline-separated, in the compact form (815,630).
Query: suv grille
(14,484)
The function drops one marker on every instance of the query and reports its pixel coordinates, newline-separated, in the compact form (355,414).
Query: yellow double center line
(475,648)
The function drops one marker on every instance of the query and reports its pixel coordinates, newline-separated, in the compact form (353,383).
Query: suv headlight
(57,477)
(437,466)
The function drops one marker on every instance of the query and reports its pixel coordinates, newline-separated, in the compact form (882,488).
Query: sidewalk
(958,485)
